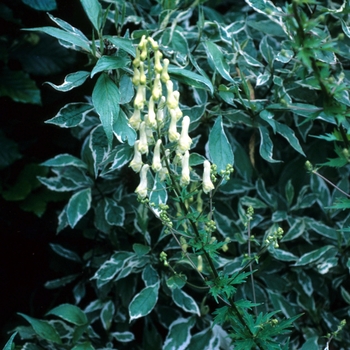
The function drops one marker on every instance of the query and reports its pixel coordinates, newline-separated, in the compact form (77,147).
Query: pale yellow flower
(140,97)
(136,162)
(164,75)
(185,141)
(156,162)
(135,119)
(141,189)
(173,134)
(185,172)
(143,144)
(207,184)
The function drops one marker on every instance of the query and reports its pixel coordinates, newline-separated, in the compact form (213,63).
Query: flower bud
(185,172)
(156,162)
(143,144)
(136,61)
(135,119)
(178,111)
(164,75)
(200,263)
(207,184)
(141,189)
(185,141)
(173,134)
(136,162)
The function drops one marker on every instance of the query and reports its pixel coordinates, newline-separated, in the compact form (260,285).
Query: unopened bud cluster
(274,238)
(155,117)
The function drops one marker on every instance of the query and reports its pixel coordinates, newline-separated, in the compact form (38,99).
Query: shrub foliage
(213,178)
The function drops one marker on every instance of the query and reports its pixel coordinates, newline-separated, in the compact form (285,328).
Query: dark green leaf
(266,146)
(107,63)
(93,9)
(115,214)
(106,97)
(63,160)
(71,81)
(43,329)
(220,150)
(179,335)
(8,345)
(78,206)
(41,5)
(66,253)
(70,313)
(185,301)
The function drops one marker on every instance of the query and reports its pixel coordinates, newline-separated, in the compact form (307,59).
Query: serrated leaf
(78,205)
(93,9)
(107,314)
(123,337)
(63,160)
(217,59)
(315,255)
(220,150)
(8,345)
(71,81)
(106,63)
(115,214)
(70,313)
(41,5)
(43,329)
(190,78)
(71,115)
(266,146)
(65,253)
(185,301)
(144,302)
(105,98)
(19,87)
(179,335)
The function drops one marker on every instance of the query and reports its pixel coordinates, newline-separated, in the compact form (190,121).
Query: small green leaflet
(144,302)
(217,60)
(105,98)
(78,206)
(71,81)
(63,160)
(71,115)
(179,335)
(106,63)
(149,274)
(43,329)
(70,313)
(266,146)
(93,9)
(220,150)
(185,301)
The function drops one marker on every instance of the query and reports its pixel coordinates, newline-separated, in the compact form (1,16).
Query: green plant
(247,89)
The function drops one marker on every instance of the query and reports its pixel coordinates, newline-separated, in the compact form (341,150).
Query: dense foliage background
(265,85)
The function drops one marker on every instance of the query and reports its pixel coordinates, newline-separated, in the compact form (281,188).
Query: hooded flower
(156,162)
(185,141)
(171,100)
(136,163)
(135,119)
(143,144)
(207,184)
(141,189)
(140,97)
(173,134)
(164,75)
(151,116)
